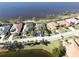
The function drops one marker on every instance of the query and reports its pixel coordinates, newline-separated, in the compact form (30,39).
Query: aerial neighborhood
(30,28)
(30,32)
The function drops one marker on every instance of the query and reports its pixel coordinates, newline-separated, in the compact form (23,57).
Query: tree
(9,46)
(13,46)
(58,52)
(18,45)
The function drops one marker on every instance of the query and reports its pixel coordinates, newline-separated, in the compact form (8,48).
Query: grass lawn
(26,53)
(62,29)
(36,50)
(76,27)
(72,37)
(53,33)
(69,15)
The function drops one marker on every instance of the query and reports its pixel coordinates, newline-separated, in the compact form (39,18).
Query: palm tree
(18,45)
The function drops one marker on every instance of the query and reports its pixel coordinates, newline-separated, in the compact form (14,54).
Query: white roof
(77,17)
(28,21)
(71,20)
(76,21)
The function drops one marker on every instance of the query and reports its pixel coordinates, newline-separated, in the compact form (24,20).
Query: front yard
(76,27)
(63,30)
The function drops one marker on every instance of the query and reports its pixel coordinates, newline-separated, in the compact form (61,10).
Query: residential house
(28,21)
(52,25)
(40,25)
(4,29)
(63,23)
(16,28)
(72,50)
(77,22)
(28,27)
(40,28)
(71,20)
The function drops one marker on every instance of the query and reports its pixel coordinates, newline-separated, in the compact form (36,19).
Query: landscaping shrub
(58,49)
(58,52)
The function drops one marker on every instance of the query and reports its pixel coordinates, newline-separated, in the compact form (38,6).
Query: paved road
(49,38)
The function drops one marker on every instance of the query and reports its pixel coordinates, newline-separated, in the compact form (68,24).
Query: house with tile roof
(52,25)
(72,48)
(63,23)
(16,28)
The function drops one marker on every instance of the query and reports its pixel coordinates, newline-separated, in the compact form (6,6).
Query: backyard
(36,50)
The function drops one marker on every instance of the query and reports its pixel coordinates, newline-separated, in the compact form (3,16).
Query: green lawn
(62,29)
(72,37)
(36,50)
(53,33)
(76,27)
(39,50)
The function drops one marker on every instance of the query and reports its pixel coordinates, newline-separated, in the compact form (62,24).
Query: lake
(35,9)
